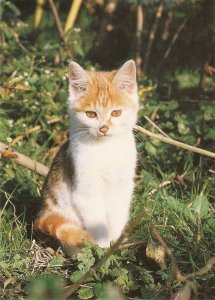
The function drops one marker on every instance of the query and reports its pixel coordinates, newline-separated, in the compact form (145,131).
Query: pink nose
(103,129)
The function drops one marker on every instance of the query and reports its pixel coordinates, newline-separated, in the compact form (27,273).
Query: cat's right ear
(78,80)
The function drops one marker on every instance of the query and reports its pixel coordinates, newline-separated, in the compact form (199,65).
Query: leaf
(210,134)
(9,281)
(9,172)
(201,205)
(11,83)
(4,265)
(86,257)
(151,148)
(85,293)
(98,289)
(172,105)
(3,91)
(76,275)
(13,8)
(56,260)
(8,154)
(21,86)
(155,252)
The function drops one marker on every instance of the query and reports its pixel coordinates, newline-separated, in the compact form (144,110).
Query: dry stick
(175,143)
(139,30)
(176,272)
(69,290)
(154,125)
(16,37)
(27,132)
(152,33)
(60,32)
(34,129)
(209,265)
(73,13)
(110,8)
(27,162)
(131,245)
(38,13)
(165,183)
(57,19)
(167,24)
(43,170)
(172,43)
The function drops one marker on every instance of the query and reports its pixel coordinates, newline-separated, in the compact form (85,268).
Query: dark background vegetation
(174,52)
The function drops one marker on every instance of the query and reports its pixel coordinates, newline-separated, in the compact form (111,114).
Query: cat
(87,192)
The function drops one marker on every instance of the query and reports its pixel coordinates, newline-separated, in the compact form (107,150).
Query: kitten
(87,193)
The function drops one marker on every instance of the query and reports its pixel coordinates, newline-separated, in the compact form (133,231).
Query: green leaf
(57,260)
(210,134)
(201,205)
(85,293)
(173,105)
(13,8)
(76,275)
(9,172)
(151,148)
(4,265)
(98,289)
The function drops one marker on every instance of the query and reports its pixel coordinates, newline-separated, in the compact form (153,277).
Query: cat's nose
(103,129)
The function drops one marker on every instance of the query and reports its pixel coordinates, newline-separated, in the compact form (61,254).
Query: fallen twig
(26,162)
(175,143)
(139,30)
(155,126)
(176,274)
(57,20)
(38,13)
(131,245)
(163,184)
(31,130)
(16,37)
(152,33)
(209,265)
(175,37)
(73,13)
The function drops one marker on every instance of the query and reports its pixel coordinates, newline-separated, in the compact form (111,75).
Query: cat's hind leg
(62,229)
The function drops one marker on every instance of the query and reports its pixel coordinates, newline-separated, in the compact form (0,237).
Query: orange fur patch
(54,225)
(102,92)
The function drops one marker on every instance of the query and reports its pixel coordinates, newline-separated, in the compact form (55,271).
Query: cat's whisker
(138,137)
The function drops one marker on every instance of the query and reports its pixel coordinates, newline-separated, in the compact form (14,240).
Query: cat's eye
(91,114)
(116,113)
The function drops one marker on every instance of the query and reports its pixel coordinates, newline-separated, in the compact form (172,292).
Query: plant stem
(174,142)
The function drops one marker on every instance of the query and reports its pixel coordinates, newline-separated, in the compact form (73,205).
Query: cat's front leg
(118,213)
(92,211)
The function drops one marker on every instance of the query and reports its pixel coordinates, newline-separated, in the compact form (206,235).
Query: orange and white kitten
(87,193)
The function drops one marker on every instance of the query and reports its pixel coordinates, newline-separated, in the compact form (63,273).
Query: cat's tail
(67,233)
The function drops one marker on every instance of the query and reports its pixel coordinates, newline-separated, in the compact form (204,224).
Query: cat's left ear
(125,77)
(78,80)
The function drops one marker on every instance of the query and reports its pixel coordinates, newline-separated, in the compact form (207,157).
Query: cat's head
(103,103)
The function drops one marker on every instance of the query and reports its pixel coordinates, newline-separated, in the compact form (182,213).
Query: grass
(182,211)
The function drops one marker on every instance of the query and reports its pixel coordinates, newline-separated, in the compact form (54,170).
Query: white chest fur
(111,158)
